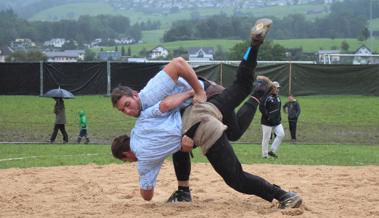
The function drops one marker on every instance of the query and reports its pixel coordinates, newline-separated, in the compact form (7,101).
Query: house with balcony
(158,52)
(65,56)
(200,54)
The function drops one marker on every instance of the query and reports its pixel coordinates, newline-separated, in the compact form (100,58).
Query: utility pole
(371,26)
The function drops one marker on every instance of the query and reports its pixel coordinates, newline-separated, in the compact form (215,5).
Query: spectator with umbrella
(60,114)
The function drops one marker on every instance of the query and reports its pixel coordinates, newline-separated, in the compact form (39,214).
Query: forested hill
(348,19)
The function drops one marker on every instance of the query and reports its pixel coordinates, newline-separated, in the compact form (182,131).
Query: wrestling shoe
(272,154)
(290,200)
(262,87)
(260,30)
(180,196)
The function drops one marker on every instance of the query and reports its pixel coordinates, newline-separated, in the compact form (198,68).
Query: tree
(26,56)
(89,55)
(129,51)
(364,35)
(69,45)
(219,53)
(180,52)
(268,51)
(122,51)
(345,46)
(143,52)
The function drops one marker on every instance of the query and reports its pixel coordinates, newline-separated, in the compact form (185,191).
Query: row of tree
(347,19)
(83,30)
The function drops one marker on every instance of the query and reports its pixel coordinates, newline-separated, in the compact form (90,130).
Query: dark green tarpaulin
(335,79)
(92,78)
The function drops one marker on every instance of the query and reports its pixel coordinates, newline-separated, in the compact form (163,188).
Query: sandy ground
(112,191)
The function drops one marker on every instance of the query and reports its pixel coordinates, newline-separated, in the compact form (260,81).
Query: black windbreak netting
(19,79)
(211,72)
(78,78)
(276,72)
(134,75)
(335,79)
(92,78)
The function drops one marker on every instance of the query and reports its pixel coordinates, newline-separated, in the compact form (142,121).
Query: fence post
(221,73)
(290,80)
(41,78)
(108,78)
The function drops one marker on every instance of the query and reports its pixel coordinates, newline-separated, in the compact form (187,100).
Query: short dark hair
(120,91)
(120,144)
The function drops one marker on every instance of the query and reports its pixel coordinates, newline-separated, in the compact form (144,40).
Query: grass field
(166,17)
(332,130)
(323,120)
(43,155)
(152,39)
(155,35)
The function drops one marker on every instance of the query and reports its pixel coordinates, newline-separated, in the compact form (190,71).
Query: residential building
(328,56)
(200,54)
(109,55)
(22,44)
(5,52)
(158,52)
(363,55)
(65,56)
(56,43)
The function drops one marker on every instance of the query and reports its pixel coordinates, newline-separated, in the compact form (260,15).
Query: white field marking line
(35,157)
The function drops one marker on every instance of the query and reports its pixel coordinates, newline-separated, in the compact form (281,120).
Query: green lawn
(314,45)
(166,17)
(154,35)
(332,130)
(324,119)
(44,155)
(72,11)
(152,39)
(374,24)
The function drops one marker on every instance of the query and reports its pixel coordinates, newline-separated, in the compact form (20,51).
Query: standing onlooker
(83,128)
(271,120)
(60,120)
(293,108)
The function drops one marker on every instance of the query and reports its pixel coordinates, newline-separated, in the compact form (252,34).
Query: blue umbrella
(59,93)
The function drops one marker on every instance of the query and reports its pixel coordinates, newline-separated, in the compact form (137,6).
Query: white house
(363,55)
(56,43)
(22,44)
(201,54)
(5,52)
(327,57)
(124,41)
(158,53)
(65,56)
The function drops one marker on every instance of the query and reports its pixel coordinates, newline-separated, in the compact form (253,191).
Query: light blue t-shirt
(161,86)
(157,135)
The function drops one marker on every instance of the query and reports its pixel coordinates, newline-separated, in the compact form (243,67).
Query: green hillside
(73,11)
(374,24)
(135,48)
(313,45)
(151,40)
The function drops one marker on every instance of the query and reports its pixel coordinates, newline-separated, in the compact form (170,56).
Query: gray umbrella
(59,93)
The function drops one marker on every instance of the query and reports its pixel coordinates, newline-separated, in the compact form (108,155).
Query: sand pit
(112,191)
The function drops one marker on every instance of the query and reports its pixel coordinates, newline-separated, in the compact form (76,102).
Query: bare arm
(179,67)
(173,101)
(147,195)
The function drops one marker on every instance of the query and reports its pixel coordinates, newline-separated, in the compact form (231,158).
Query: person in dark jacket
(292,107)
(271,121)
(60,121)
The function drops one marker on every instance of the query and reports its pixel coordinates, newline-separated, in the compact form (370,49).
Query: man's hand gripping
(187,144)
